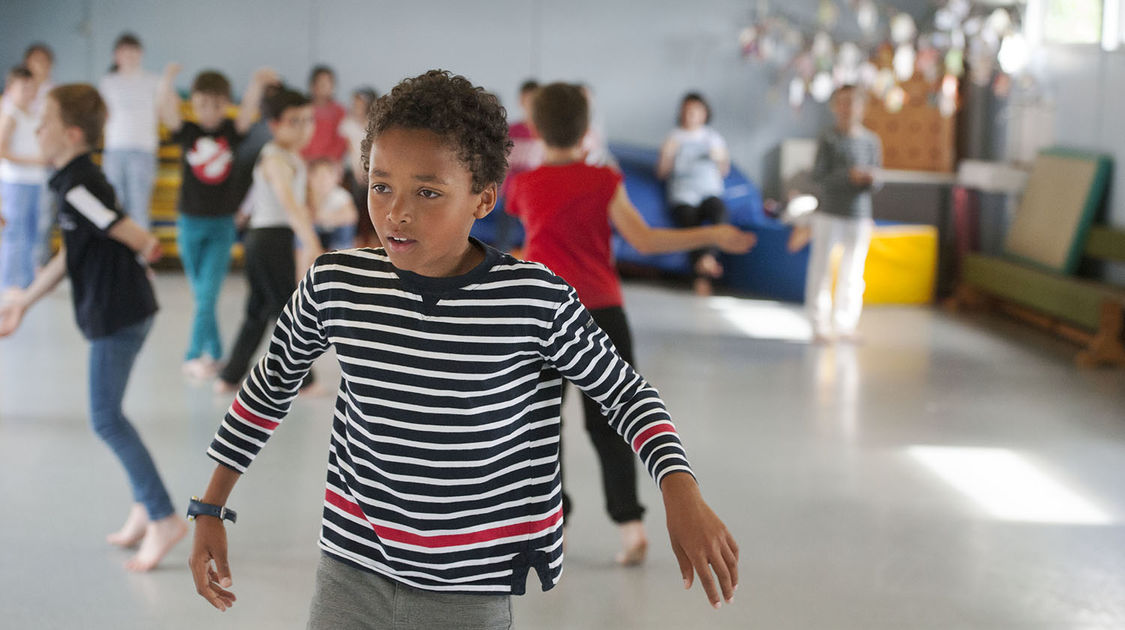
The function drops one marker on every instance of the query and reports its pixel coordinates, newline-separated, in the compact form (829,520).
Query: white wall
(1087,87)
(638,56)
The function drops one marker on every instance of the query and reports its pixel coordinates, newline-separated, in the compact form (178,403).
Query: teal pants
(205,244)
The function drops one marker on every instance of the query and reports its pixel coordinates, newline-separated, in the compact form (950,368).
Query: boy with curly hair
(443,485)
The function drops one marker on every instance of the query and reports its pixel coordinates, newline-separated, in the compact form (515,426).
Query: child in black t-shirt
(106,255)
(205,230)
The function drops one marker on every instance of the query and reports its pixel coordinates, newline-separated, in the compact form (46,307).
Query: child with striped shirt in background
(443,486)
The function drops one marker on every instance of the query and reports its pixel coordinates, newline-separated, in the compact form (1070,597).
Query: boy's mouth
(398,243)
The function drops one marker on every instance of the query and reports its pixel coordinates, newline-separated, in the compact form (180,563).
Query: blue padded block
(769,270)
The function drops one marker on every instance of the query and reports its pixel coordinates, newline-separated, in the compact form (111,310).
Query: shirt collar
(65,174)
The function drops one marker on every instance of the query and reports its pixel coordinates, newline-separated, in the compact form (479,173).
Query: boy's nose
(397,212)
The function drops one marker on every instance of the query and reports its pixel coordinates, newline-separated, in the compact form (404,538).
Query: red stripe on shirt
(656,429)
(445,540)
(254,418)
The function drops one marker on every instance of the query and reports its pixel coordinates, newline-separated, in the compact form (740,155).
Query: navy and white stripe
(836,154)
(443,467)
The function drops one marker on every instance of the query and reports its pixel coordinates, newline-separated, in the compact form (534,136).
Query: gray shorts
(348,598)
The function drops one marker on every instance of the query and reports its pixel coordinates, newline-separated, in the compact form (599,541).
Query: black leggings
(618,462)
(272,274)
(710,210)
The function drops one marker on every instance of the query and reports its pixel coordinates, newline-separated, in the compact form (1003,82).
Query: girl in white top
(131,96)
(695,160)
(22,175)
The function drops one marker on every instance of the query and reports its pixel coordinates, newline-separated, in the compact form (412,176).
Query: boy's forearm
(665,240)
(169,104)
(134,236)
(222,483)
(251,102)
(677,484)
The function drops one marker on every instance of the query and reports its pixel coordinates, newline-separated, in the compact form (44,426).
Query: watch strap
(199,508)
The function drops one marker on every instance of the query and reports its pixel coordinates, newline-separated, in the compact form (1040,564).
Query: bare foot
(160,537)
(634,544)
(199,369)
(133,530)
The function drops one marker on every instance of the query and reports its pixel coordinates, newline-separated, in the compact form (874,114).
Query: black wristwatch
(199,508)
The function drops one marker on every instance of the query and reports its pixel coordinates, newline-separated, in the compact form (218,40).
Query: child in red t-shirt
(326,140)
(569,210)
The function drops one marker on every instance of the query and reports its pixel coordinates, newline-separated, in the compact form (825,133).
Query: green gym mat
(1063,194)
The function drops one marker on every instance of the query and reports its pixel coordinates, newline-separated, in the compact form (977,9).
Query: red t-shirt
(327,141)
(565,211)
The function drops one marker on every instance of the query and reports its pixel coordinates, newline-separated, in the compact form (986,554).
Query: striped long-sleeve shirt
(836,154)
(443,467)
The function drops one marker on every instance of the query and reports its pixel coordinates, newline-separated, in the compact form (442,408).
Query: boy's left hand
(699,539)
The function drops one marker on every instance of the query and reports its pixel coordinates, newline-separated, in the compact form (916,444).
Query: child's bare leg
(160,537)
(133,530)
(708,266)
(634,543)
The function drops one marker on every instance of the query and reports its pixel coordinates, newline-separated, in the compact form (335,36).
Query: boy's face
(526,99)
(210,109)
(39,64)
(359,108)
(55,139)
(847,107)
(422,203)
(695,115)
(127,57)
(323,86)
(294,128)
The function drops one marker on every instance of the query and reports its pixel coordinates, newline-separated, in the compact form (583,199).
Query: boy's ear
(76,137)
(486,201)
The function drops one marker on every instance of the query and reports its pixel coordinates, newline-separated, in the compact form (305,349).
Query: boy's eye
(379,188)
(429,194)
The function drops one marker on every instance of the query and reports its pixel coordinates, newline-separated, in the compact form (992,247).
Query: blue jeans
(111,361)
(132,173)
(204,244)
(342,237)
(17,243)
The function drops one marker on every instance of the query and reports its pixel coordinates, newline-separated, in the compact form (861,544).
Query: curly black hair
(467,118)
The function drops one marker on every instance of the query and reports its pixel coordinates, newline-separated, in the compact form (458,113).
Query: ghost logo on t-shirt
(210,159)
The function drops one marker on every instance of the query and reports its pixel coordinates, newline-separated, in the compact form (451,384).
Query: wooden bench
(1085,311)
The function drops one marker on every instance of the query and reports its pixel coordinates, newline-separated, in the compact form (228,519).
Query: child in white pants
(836,316)
(846,159)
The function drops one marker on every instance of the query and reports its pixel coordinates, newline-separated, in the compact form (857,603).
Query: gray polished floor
(948,473)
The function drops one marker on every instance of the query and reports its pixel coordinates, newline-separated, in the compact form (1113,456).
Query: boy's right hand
(733,240)
(861,176)
(208,562)
(172,69)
